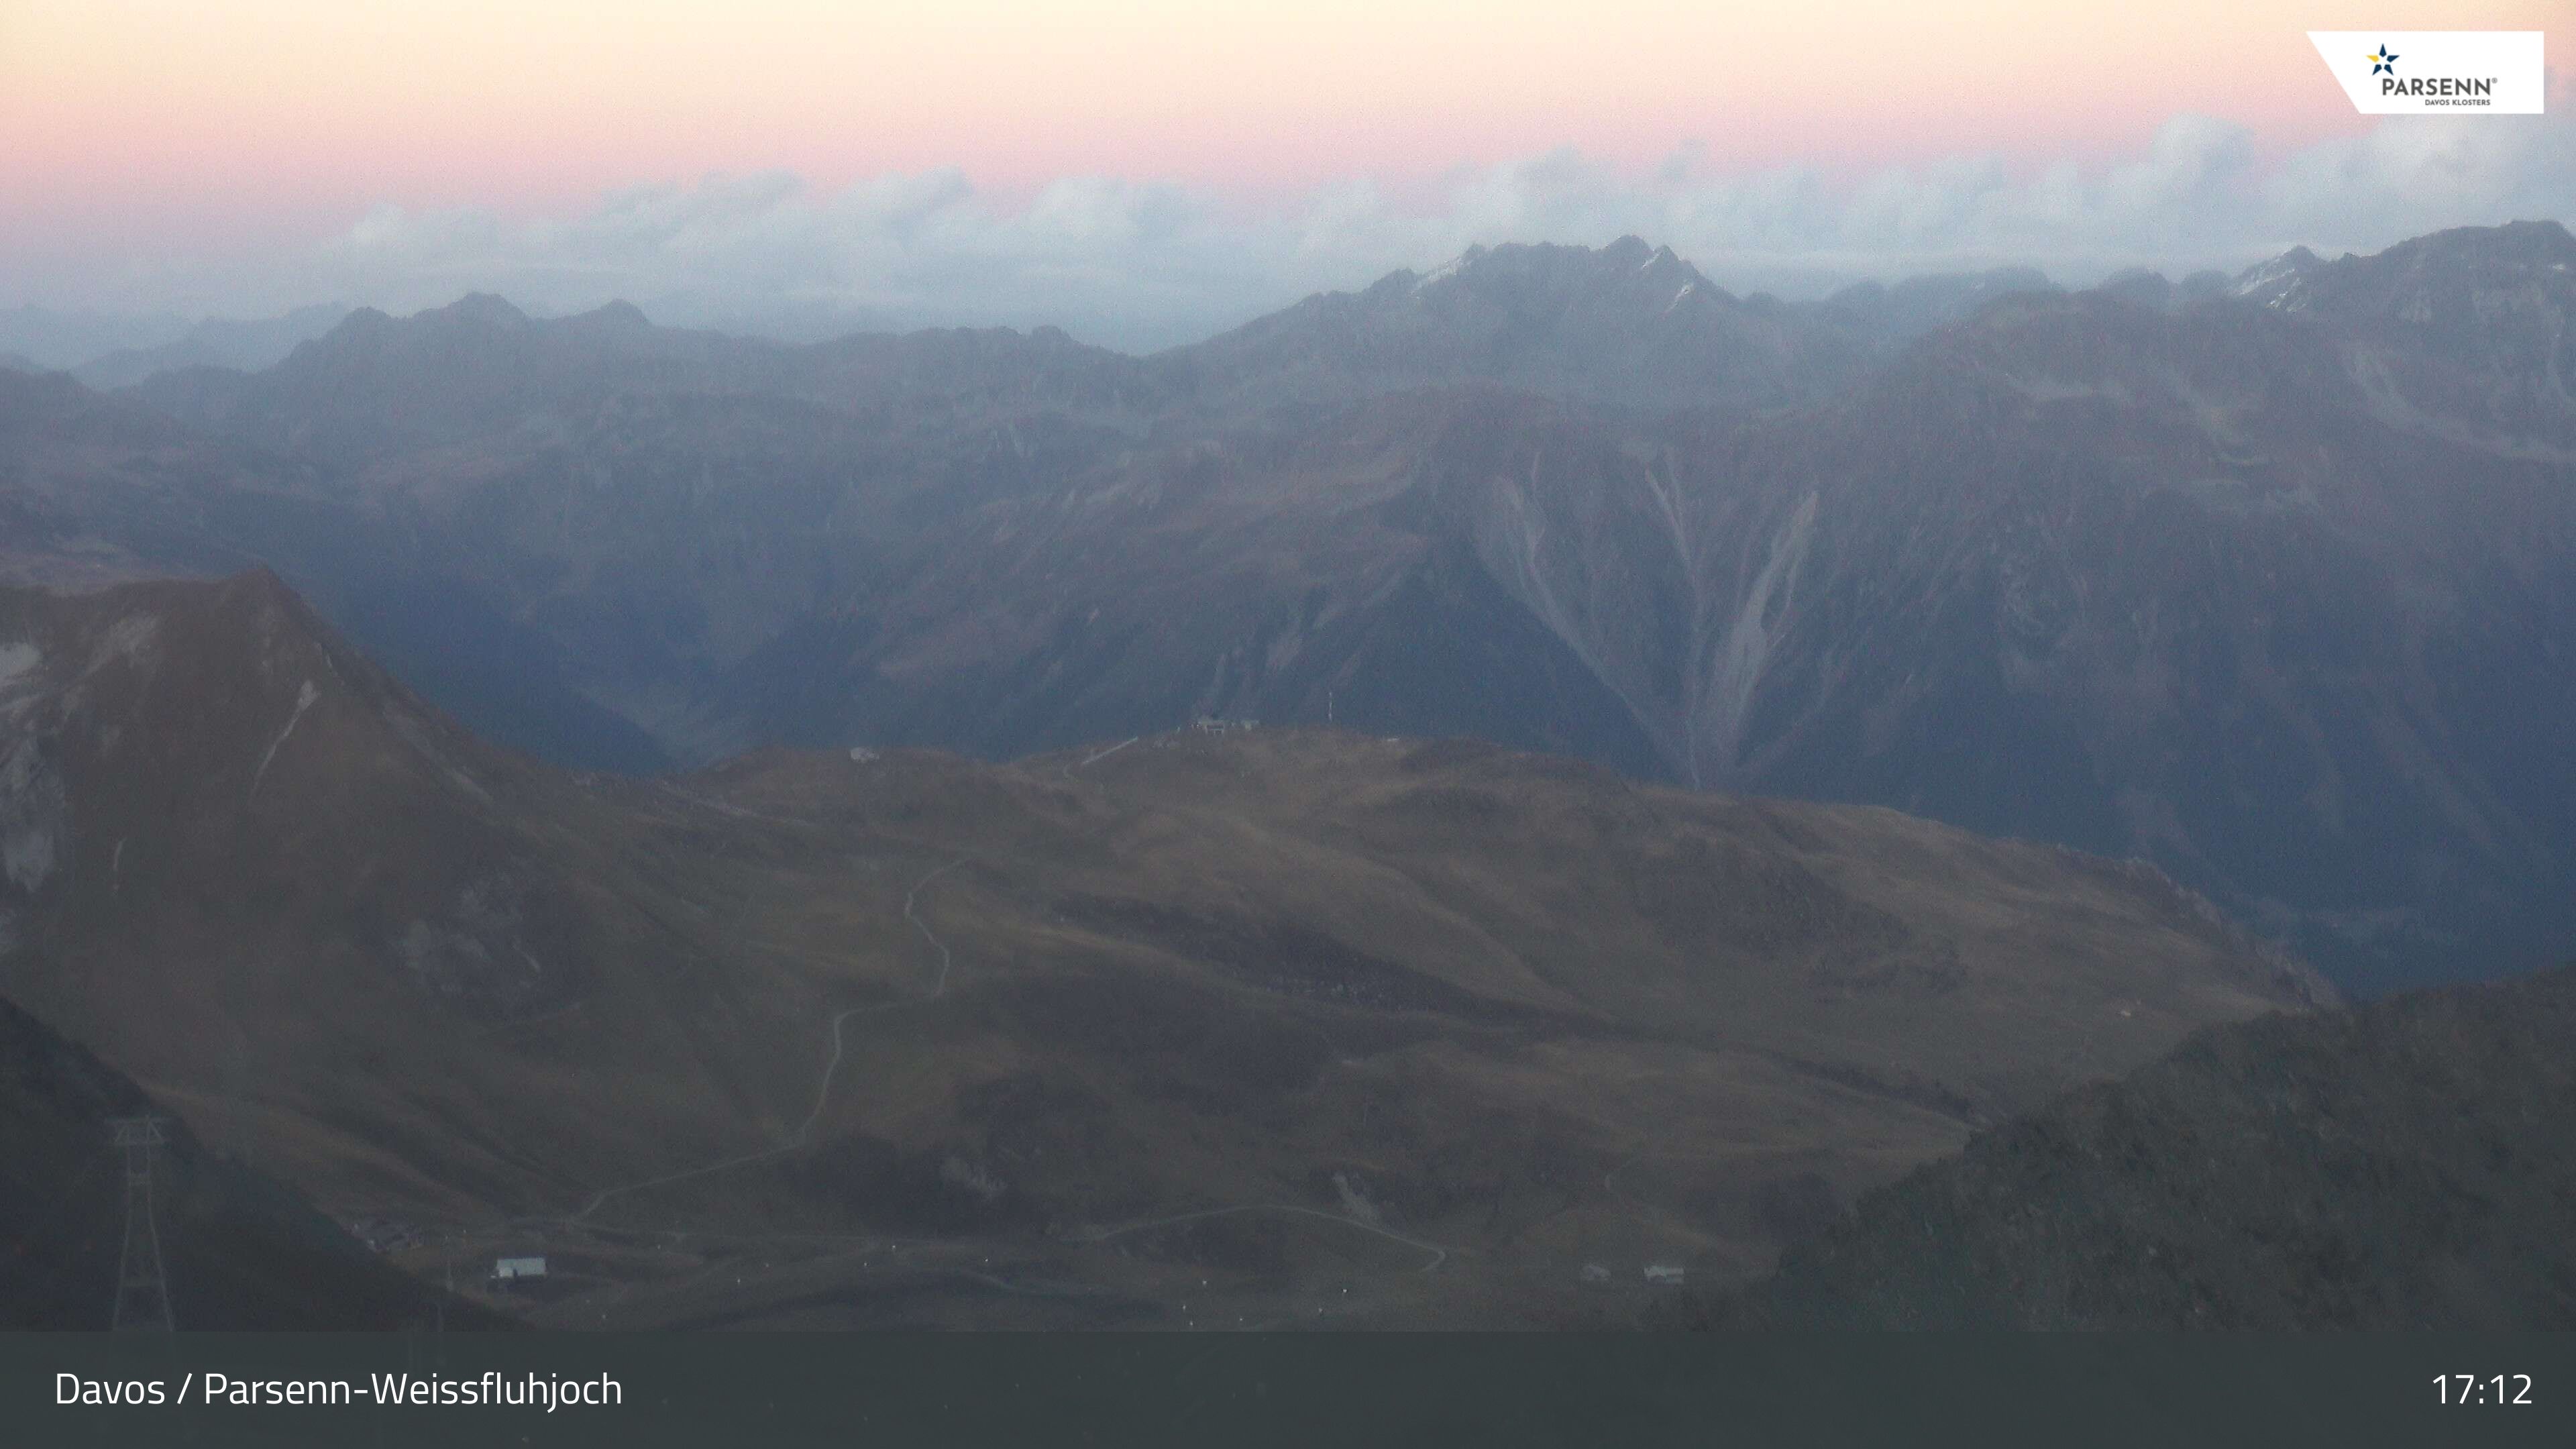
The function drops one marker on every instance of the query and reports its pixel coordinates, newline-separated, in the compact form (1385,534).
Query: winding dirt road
(823,1090)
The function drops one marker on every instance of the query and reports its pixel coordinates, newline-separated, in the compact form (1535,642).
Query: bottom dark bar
(1410,1390)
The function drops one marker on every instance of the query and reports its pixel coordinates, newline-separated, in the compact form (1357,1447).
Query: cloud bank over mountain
(1140,265)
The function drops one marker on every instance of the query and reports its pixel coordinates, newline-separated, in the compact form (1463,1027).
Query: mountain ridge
(1925,587)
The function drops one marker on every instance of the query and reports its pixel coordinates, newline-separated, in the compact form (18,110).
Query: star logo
(2382,60)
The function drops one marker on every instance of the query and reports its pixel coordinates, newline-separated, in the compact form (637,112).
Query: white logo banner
(2442,72)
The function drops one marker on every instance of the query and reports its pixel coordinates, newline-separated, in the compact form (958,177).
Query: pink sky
(1145,171)
(249,117)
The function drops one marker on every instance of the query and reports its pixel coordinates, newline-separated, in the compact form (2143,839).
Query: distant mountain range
(2266,582)
(216,342)
(110,351)
(1205,1027)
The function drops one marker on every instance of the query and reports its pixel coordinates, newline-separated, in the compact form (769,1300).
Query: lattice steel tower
(142,1289)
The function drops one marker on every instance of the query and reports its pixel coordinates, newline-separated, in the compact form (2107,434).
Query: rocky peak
(2278,283)
(2419,280)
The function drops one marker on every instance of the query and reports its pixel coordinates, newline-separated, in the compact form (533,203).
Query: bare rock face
(2462,333)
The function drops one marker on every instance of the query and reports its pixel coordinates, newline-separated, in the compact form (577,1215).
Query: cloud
(1141,265)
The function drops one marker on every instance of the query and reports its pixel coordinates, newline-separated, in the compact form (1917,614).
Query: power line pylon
(142,1289)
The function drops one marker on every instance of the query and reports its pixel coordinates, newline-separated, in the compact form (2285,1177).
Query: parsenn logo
(2475,72)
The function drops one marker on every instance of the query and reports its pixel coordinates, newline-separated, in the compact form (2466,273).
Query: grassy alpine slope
(1281,1025)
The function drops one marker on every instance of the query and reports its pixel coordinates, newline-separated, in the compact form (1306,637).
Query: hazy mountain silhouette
(248,345)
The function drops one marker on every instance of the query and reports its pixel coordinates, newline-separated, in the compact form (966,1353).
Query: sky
(1144,172)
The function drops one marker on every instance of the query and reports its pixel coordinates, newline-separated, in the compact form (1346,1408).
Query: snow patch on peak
(2278,282)
(1450,268)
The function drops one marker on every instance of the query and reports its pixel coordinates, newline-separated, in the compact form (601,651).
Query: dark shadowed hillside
(240,1250)
(2405,1165)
